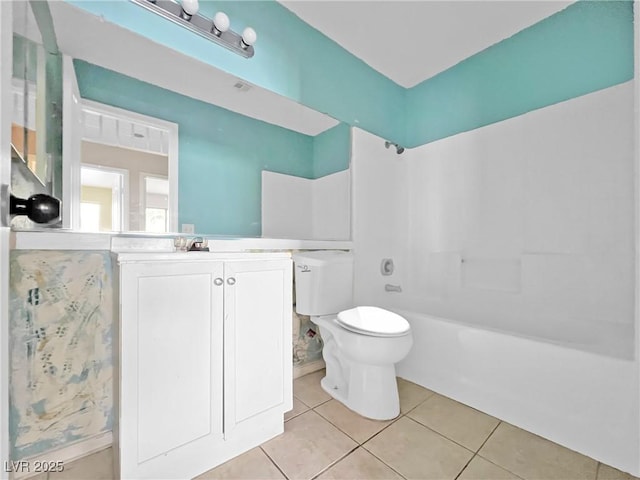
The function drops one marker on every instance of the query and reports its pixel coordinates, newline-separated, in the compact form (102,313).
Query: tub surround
(514,247)
(547,254)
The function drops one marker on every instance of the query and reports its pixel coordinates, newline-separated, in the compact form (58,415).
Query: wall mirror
(245,162)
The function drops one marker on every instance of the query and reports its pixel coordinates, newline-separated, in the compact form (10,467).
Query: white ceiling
(410,41)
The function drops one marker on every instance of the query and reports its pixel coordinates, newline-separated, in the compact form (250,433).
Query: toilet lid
(373,321)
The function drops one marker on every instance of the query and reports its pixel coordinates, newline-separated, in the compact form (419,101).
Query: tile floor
(433,438)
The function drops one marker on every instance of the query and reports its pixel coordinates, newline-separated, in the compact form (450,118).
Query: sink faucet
(192,244)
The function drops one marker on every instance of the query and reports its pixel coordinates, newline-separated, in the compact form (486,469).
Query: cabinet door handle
(218,281)
(231,281)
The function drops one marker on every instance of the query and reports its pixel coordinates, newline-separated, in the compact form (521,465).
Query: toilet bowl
(361,344)
(361,364)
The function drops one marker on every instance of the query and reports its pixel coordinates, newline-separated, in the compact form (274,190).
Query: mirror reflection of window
(90,216)
(155,198)
(118,139)
(103,199)
(138,166)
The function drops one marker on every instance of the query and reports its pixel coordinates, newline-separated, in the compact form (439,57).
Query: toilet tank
(324,281)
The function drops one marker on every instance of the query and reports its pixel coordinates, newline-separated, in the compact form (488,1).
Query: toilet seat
(373,321)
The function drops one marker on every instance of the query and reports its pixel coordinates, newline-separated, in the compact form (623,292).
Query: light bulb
(249,37)
(190,7)
(221,22)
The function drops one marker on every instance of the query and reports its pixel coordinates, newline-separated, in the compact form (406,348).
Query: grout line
(383,428)
(598,470)
(489,436)
(391,422)
(335,462)
(491,461)
(273,461)
(422,402)
(465,466)
(444,436)
(297,414)
(326,401)
(385,463)
(298,398)
(499,466)
(475,454)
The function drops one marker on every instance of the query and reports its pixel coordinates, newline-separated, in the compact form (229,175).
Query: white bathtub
(584,401)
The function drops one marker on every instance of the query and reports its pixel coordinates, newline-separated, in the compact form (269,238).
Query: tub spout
(392,288)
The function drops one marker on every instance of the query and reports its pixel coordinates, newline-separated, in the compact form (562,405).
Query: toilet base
(372,391)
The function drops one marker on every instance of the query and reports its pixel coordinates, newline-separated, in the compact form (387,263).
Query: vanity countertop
(59,239)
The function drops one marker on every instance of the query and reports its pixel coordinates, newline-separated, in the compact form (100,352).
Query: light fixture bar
(203,26)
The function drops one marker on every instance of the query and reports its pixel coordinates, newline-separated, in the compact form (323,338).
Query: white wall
(294,207)
(526,225)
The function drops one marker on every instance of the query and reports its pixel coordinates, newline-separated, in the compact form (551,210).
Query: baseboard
(66,454)
(301,370)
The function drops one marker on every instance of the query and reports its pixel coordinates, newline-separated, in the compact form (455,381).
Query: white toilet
(361,344)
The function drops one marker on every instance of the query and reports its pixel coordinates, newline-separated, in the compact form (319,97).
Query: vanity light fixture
(217,30)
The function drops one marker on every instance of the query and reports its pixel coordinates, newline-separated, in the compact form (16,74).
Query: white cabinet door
(258,365)
(171,334)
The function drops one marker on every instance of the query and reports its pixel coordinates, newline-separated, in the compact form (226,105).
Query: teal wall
(332,150)
(583,48)
(292,59)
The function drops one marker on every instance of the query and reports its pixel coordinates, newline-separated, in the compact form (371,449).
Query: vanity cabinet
(205,359)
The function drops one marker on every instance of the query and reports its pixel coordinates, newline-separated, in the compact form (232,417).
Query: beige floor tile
(481,469)
(417,452)
(411,395)
(462,424)
(98,466)
(356,426)
(251,465)
(360,465)
(605,472)
(298,408)
(532,457)
(308,445)
(308,390)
